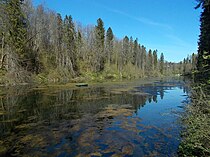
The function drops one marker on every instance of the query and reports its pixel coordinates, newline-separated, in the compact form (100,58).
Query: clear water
(98,121)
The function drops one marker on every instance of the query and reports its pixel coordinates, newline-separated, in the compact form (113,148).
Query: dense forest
(39,45)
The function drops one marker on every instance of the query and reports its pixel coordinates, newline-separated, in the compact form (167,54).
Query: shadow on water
(99,121)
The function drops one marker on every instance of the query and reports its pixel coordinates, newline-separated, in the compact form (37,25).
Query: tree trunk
(3,56)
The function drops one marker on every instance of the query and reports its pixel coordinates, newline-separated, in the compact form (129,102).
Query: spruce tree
(143,58)
(79,45)
(59,39)
(203,63)
(155,59)
(17,27)
(125,53)
(99,45)
(131,50)
(150,61)
(109,44)
(135,52)
(69,38)
(161,63)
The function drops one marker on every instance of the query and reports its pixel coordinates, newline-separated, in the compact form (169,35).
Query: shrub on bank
(196,136)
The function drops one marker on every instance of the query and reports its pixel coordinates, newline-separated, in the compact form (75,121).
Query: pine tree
(69,38)
(125,52)
(143,58)
(79,45)
(109,44)
(59,39)
(155,59)
(161,63)
(135,52)
(17,27)
(99,45)
(194,61)
(203,63)
(150,61)
(131,50)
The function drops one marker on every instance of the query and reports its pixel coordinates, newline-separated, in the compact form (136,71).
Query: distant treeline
(37,44)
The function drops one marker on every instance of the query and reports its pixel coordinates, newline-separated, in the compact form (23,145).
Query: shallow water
(141,120)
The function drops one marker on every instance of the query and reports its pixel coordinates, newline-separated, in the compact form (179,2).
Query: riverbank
(196,136)
(53,79)
(61,76)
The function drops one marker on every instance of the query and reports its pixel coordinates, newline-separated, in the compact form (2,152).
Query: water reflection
(101,121)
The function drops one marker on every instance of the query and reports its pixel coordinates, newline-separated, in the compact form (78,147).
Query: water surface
(141,120)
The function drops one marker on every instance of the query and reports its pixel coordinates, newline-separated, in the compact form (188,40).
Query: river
(134,120)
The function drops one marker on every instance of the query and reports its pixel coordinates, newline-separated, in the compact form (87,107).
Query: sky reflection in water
(99,121)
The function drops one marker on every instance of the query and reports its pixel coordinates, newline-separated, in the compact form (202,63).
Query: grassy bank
(63,76)
(196,135)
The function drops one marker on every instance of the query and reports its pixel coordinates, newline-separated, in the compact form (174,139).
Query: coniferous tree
(150,61)
(109,44)
(131,49)
(194,61)
(135,52)
(17,27)
(161,63)
(184,66)
(70,48)
(72,42)
(143,58)
(59,39)
(99,45)
(155,59)
(79,45)
(139,54)
(203,63)
(69,37)
(125,52)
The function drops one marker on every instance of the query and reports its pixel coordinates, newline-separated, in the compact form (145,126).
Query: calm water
(141,120)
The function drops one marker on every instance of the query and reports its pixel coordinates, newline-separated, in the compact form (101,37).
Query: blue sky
(171,27)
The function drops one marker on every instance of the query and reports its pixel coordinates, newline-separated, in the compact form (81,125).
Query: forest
(38,45)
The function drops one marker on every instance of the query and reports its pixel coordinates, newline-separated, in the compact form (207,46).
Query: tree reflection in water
(101,121)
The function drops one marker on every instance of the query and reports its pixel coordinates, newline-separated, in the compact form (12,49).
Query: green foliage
(99,46)
(135,52)
(53,76)
(155,58)
(125,50)
(150,61)
(70,43)
(204,38)
(196,136)
(109,44)
(17,28)
(132,72)
(42,44)
(161,63)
